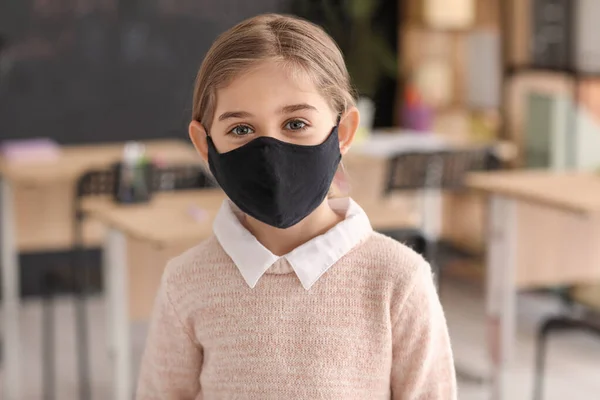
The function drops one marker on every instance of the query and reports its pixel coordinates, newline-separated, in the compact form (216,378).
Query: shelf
(408,25)
(570,72)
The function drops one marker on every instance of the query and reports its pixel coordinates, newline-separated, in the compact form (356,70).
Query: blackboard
(107,70)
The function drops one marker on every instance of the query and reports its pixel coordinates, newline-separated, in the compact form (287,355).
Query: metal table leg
(10,294)
(501,291)
(118,303)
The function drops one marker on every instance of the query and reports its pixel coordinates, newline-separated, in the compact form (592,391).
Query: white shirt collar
(309,261)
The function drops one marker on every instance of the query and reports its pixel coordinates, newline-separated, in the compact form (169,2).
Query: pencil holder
(133,183)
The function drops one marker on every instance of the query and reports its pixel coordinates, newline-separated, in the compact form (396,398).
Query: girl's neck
(282,241)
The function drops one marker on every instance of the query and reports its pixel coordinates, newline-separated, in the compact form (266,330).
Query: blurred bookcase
(478,63)
(451,52)
(559,134)
(551,82)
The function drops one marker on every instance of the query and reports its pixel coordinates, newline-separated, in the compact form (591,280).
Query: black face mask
(277,183)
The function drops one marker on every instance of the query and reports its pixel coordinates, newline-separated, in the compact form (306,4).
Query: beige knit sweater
(372,327)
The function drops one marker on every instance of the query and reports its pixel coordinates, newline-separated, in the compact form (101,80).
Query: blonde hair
(299,45)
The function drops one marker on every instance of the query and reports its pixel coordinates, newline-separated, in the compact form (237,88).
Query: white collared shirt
(309,261)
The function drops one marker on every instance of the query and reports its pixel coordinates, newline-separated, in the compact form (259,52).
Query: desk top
(75,160)
(570,191)
(385,144)
(169,218)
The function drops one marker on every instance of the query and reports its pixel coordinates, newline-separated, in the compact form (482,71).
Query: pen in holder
(133,176)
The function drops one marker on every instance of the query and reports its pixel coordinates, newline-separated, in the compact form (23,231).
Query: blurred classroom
(479,146)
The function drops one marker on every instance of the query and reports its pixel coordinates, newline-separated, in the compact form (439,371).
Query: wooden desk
(164,221)
(142,238)
(544,230)
(43,193)
(36,213)
(460,216)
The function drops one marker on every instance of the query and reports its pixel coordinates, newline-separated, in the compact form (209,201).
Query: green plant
(351,24)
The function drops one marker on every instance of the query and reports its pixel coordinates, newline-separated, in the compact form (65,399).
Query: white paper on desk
(388,144)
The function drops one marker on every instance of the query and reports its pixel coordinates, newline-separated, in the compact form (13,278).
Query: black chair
(429,173)
(181,177)
(90,184)
(586,319)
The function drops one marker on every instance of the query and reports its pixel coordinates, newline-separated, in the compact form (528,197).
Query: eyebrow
(296,107)
(234,114)
(284,110)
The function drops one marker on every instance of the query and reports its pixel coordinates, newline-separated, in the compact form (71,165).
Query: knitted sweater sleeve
(423,366)
(172,358)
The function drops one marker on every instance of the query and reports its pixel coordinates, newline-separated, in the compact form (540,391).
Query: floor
(573,371)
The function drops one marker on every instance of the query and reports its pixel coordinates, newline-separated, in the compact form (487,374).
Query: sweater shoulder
(194,261)
(393,259)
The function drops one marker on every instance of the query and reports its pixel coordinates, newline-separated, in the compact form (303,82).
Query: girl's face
(267,101)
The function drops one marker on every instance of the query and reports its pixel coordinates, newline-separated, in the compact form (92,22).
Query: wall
(85,71)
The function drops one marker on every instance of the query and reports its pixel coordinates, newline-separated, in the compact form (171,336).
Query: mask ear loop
(209,173)
(340,179)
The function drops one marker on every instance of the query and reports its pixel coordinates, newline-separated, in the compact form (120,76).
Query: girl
(295,296)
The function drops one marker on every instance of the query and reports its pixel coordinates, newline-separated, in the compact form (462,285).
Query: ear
(198,137)
(347,128)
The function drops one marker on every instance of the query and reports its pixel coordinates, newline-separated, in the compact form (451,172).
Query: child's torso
(280,341)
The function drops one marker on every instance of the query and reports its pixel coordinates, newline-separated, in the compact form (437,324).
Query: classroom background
(479,146)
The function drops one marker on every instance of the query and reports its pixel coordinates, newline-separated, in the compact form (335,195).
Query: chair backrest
(96,183)
(103,182)
(436,170)
(173,177)
(100,182)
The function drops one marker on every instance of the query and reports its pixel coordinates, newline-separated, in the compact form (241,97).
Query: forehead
(269,85)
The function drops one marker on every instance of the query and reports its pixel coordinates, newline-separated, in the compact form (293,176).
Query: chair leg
(556,324)
(82,350)
(540,361)
(48,360)
(81,331)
